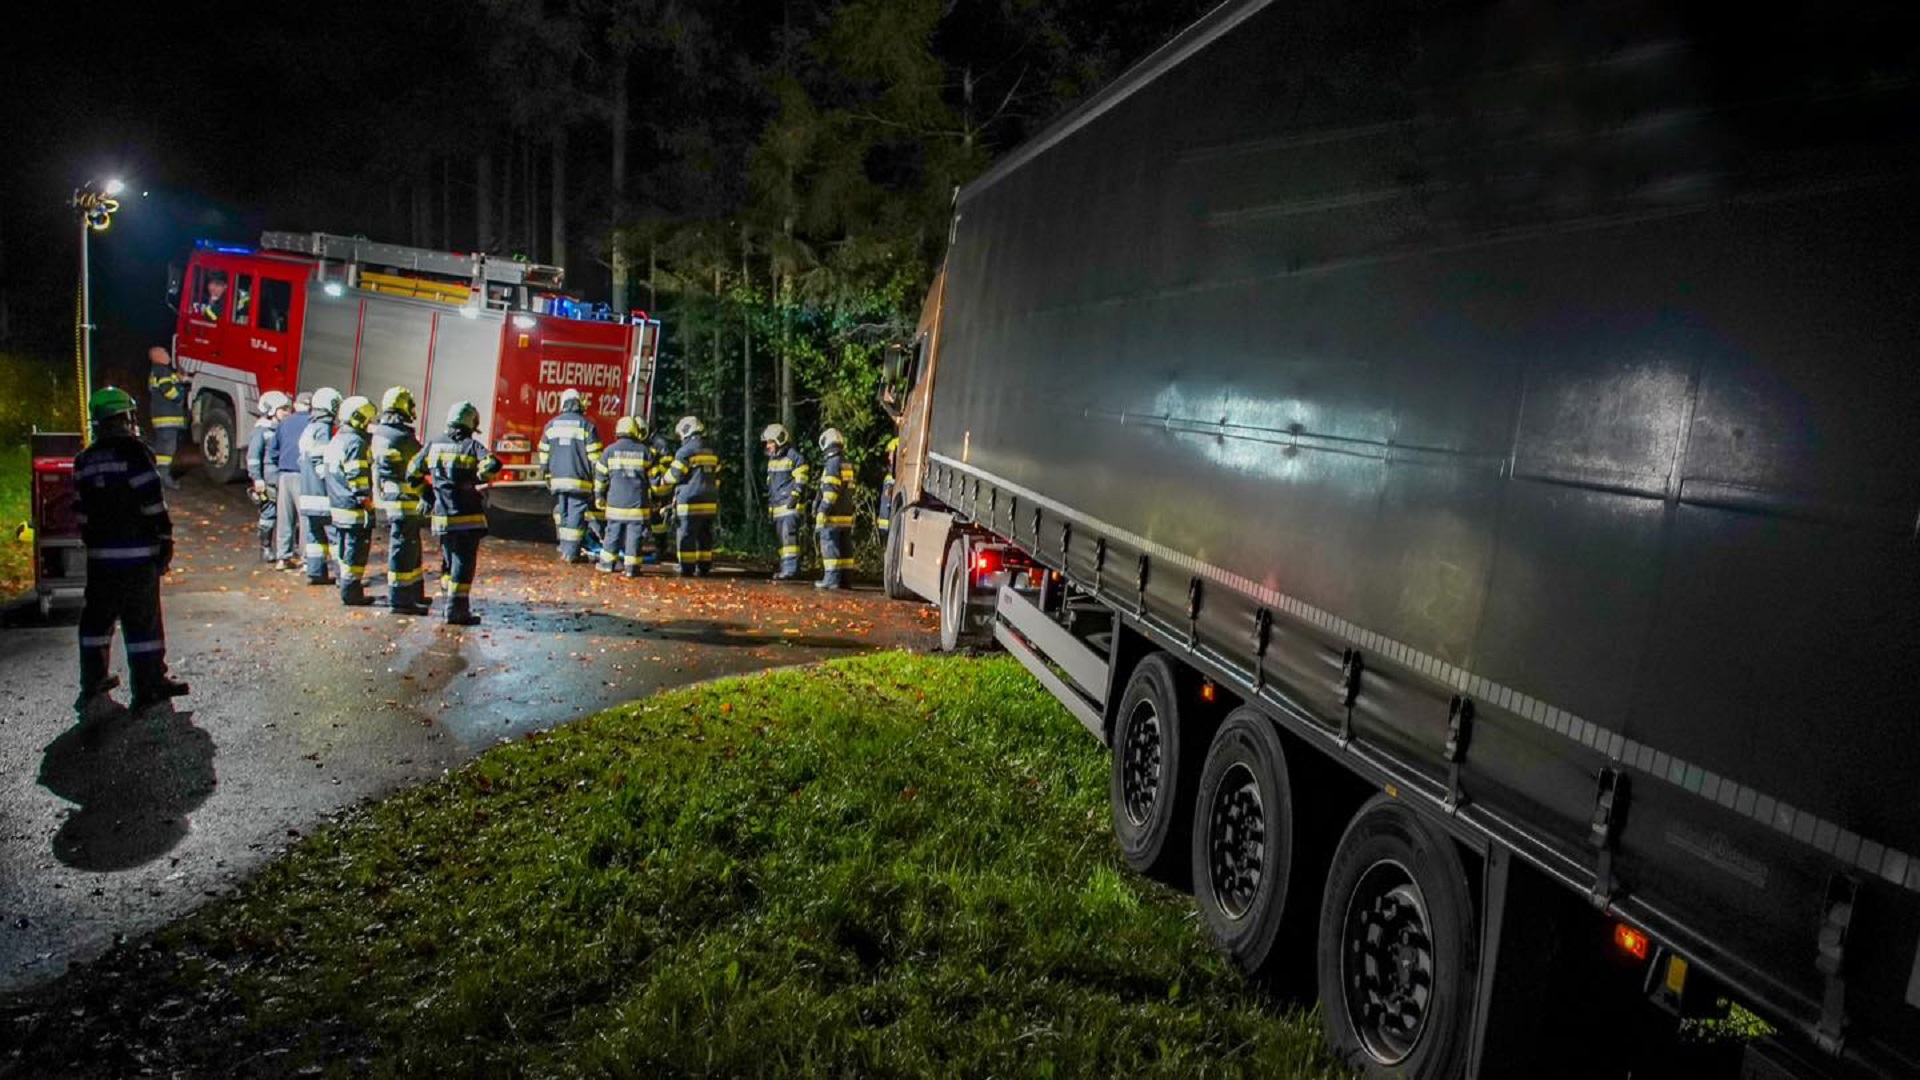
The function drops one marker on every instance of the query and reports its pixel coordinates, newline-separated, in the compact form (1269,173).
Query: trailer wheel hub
(1387,962)
(1140,779)
(1237,842)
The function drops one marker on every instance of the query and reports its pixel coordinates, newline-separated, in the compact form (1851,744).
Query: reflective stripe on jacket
(834,507)
(455,465)
(394,446)
(624,479)
(167,397)
(568,449)
(314,440)
(350,478)
(693,478)
(263,451)
(787,475)
(123,515)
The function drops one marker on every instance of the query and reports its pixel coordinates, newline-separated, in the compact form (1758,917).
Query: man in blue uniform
(568,449)
(129,538)
(316,512)
(286,531)
(833,513)
(350,497)
(263,467)
(400,500)
(456,464)
(693,479)
(787,474)
(167,399)
(622,489)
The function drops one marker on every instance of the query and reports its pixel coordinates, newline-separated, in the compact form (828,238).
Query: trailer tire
(1245,846)
(1157,754)
(218,443)
(1398,956)
(890,562)
(962,624)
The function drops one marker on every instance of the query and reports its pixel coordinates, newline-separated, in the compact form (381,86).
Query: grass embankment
(16,555)
(891,865)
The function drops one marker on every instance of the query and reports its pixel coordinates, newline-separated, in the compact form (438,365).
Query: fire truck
(301,311)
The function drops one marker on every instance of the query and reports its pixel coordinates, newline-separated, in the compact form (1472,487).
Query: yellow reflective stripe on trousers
(698,508)
(837,564)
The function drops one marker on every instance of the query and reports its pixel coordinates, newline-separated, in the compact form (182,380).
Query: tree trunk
(748,501)
(505,247)
(558,243)
(719,357)
(618,250)
(483,203)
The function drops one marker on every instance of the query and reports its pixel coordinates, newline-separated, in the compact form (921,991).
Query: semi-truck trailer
(1460,459)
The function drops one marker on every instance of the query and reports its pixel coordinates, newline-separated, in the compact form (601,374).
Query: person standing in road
(883,518)
(350,497)
(167,400)
(693,479)
(622,488)
(286,532)
(658,520)
(399,498)
(129,539)
(263,466)
(568,449)
(456,464)
(833,513)
(787,474)
(316,511)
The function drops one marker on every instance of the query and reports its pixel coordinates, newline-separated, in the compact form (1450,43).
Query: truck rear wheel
(890,562)
(1397,951)
(1244,848)
(962,621)
(1157,754)
(219,443)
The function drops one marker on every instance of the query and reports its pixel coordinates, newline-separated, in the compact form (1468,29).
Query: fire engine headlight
(334,288)
(523,322)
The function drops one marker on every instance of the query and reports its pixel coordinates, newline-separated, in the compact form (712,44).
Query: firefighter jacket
(314,440)
(455,465)
(834,507)
(787,475)
(263,451)
(568,449)
(123,518)
(394,446)
(624,479)
(693,477)
(350,478)
(662,457)
(166,397)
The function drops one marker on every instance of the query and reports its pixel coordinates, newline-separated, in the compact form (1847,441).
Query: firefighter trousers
(696,541)
(317,530)
(129,596)
(657,524)
(356,545)
(836,554)
(461,549)
(286,531)
(570,521)
(786,529)
(269,517)
(406,580)
(166,444)
(625,544)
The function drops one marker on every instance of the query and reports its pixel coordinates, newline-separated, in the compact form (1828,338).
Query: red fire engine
(306,310)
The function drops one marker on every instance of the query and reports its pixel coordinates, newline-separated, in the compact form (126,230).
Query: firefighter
(316,512)
(833,513)
(456,464)
(167,399)
(287,446)
(692,477)
(569,447)
(129,539)
(787,474)
(659,519)
(622,479)
(400,500)
(263,466)
(883,519)
(350,497)
(209,309)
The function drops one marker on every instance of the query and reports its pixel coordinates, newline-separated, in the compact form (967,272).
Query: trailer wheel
(962,623)
(1156,766)
(1397,951)
(1244,843)
(890,562)
(219,445)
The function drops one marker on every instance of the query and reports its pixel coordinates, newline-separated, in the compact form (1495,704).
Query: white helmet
(688,427)
(775,434)
(326,401)
(273,401)
(570,400)
(831,438)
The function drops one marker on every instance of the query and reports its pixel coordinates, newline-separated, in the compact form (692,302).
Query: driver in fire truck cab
(208,306)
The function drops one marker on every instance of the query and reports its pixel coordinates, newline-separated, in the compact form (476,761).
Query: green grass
(16,557)
(893,865)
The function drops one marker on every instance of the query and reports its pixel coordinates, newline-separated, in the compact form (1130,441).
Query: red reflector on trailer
(986,562)
(1631,941)
(1207,692)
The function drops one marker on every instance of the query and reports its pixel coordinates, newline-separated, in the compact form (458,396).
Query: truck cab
(239,322)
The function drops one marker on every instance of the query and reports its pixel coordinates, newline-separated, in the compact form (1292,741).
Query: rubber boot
(354,594)
(98,690)
(164,689)
(460,613)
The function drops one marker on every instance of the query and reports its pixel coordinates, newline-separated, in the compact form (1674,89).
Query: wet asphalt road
(301,708)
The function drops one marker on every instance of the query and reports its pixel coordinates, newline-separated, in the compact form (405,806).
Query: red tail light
(987,562)
(1631,941)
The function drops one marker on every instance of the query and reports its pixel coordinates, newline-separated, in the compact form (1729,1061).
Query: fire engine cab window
(276,300)
(243,300)
(210,295)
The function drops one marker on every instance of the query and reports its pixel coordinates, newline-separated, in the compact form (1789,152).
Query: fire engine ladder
(364,260)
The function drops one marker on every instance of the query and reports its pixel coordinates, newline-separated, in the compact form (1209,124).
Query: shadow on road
(134,780)
(509,615)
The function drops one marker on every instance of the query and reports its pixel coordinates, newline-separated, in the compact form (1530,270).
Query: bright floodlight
(116,186)
(333,288)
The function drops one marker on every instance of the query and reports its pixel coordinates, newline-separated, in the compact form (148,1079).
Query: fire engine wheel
(219,445)
(962,621)
(1156,766)
(1397,952)
(1243,844)
(895,550)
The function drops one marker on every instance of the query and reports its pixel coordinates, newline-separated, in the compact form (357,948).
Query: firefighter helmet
(628,427)
(463,416)
(356,412)
(893,444)
(326,401)
(688,427)
(831,438)
(399,399)
(570,400)
(109,402)
(775,434)
(273,401)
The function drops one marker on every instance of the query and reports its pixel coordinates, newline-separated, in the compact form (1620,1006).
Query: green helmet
(109,402)
(398,399)
(463,416)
